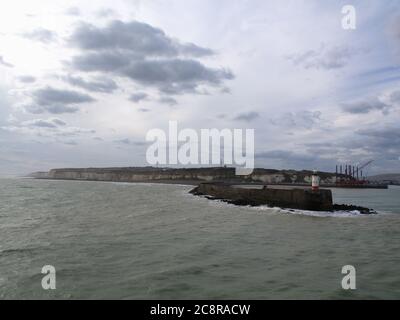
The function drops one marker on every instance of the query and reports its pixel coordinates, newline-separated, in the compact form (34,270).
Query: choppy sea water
(149,241)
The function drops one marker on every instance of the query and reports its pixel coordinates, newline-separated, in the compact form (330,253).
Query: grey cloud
(56,101)
(134,36)
(41,123)
(127,141)
(248,116)
(172,76)
(105,12)
(175,76)
(144,110)
(394,31)
(378,142)
(33,108)
(105,61)
(286,156)
(4,63)
(180,88)
(395,96)
(54,109)
(375,143)
(41,34)
(176,72)
(226,90)
(69,142)
(145,55)
(73,131)
(73,11)
(123,141)
(26,79)
(324,58)
(168,100)
(275,154)
(137,97)
(191,49)
(390,133)
(96,85)
(319,145)
(303,119)
(58,122)
(48,128)
(50,96)
(284,159)
(60,109)
(363,107)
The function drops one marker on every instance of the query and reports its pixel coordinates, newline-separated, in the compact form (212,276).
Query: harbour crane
(363,166)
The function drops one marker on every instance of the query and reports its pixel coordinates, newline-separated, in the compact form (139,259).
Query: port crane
(353,173)
(363,166)
(349,176)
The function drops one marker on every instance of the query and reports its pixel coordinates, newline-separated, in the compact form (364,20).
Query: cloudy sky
(81,82)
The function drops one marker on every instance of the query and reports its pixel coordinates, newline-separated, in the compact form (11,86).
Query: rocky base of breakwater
(347,207)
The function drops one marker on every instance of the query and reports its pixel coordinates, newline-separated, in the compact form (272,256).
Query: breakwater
(292,198)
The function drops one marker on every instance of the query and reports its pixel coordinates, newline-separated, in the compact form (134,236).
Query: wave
(16,251)
(321,214)
(324,214)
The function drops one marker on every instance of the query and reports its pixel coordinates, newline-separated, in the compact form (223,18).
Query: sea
(108,240)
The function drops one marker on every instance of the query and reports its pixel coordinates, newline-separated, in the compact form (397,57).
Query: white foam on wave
(277,210)
(320,214)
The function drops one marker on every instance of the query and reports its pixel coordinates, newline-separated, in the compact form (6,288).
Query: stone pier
(293,198)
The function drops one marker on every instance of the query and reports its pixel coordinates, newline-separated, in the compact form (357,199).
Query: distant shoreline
(197,182)
(195,176)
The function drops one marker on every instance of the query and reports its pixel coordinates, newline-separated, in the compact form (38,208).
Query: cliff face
(39,175)
(267,176)
(142,174)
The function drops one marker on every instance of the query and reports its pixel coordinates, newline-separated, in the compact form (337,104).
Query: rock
(346,207)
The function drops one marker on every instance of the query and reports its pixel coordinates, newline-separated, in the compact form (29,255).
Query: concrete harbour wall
(295,198)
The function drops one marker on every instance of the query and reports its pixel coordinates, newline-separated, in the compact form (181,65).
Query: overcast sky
(81,82)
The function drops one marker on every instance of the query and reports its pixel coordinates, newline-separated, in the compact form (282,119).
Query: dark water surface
(147,241)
